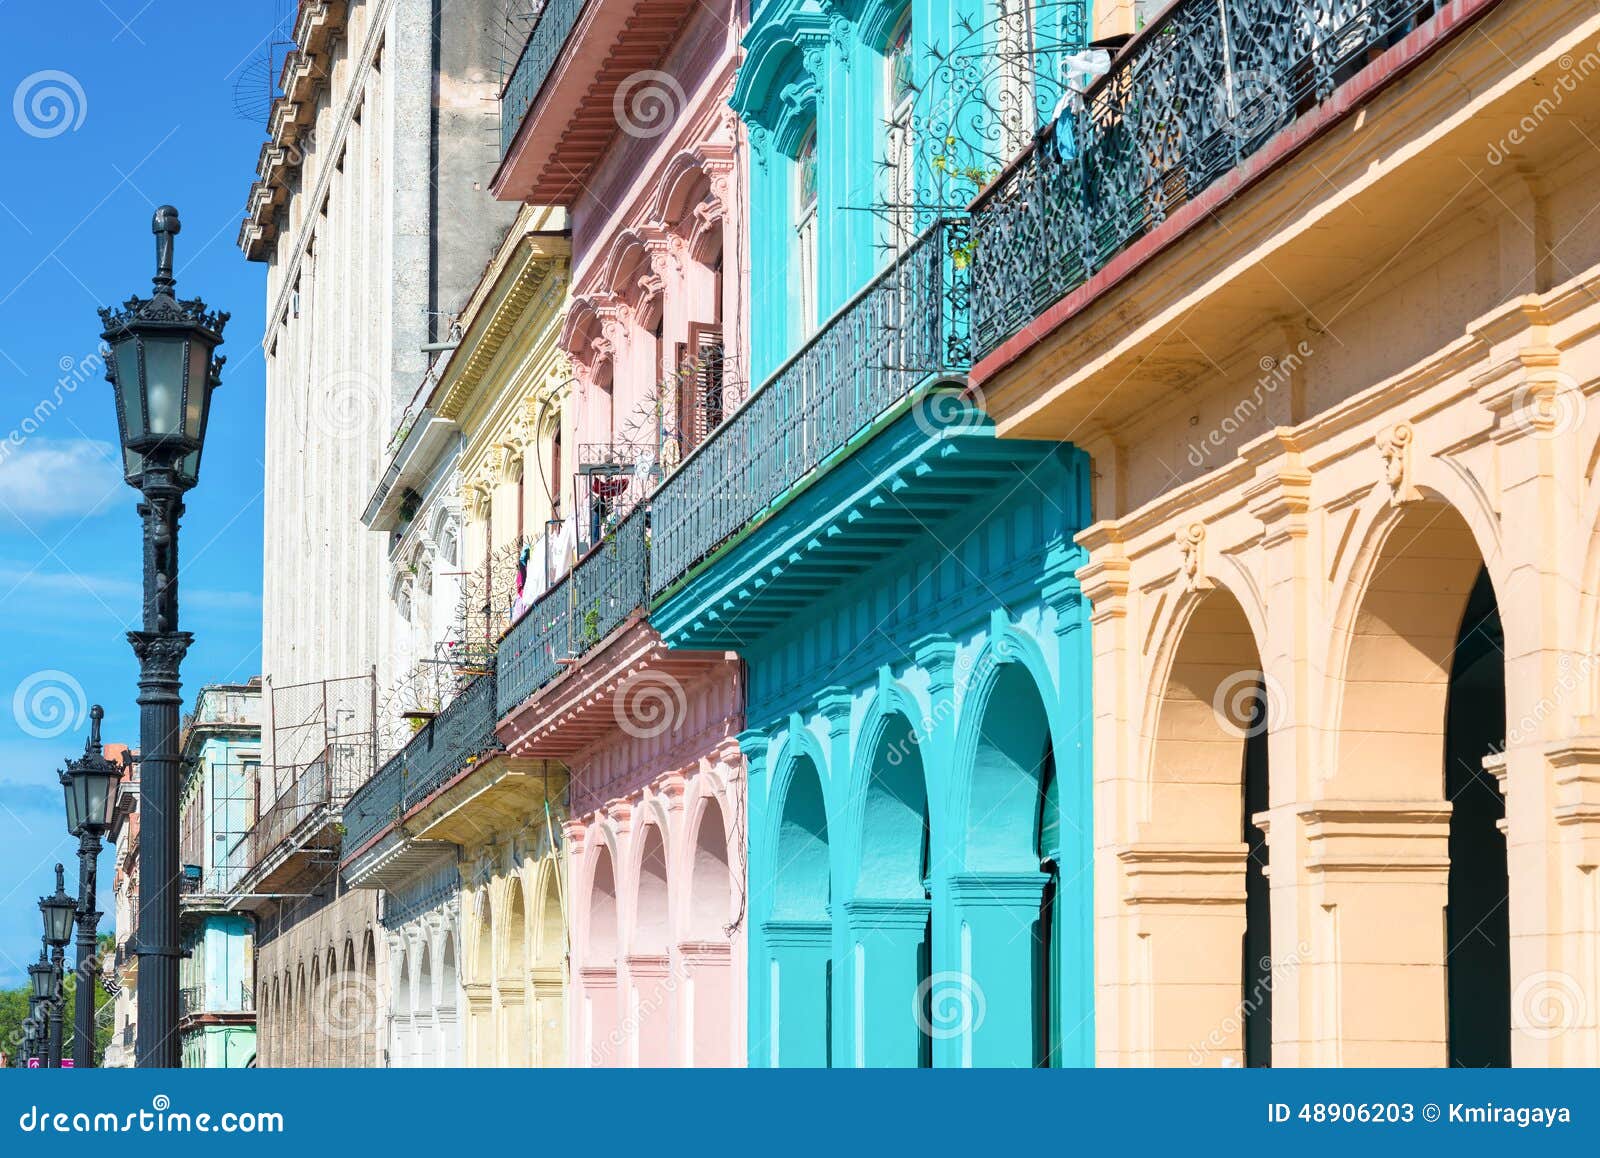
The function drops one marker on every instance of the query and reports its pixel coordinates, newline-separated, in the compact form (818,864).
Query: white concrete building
(369,214)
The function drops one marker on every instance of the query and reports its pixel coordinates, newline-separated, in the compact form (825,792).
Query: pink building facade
(654,833)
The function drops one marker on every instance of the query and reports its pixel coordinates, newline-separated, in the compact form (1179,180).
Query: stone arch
(511,976)
(1411,816)
(317,1040)
(350,1046)
(798,932)
(652,916)
(707,946)
(889,914)
(404,1007)
(1197,871)
(364,1036)
(709,905)
(483,957)
(1009,919)
(602,943)
(302,1018)
(550,968)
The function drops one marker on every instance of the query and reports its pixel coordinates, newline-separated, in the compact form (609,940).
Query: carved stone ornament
(1395,446)
(1191,542)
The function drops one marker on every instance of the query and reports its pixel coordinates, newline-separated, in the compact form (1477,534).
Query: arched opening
(1477,923)
(317,1046)
(799,935)
(549,976)
(891,929)
(1423,706)
(449,1003)
(707,952)
(602,1016)
(511,980)
(365,1036)
(400,1027)
(302,1018)
(350,1049)
(650,991)
(1016,841)
(1197,876)
(335,1033)
(424,1043)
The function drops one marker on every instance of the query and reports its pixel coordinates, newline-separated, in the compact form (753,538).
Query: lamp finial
(165,226)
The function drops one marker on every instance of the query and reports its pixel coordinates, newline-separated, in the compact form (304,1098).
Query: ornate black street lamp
(58,911)
(90,788)
(163,369)
(41,979)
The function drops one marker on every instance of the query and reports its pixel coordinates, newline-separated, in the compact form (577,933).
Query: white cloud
(54,479)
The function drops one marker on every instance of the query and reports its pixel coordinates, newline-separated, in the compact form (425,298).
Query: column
(799,982)
(885,970)
(983,1012)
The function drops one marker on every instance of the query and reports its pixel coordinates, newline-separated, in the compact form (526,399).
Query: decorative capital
(160,652)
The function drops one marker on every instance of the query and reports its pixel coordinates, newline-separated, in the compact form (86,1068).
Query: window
(806,229)
(900,97)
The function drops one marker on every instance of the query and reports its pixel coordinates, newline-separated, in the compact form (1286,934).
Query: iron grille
(1203,88)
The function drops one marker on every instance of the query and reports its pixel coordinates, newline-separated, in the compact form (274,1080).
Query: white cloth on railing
(1079,71)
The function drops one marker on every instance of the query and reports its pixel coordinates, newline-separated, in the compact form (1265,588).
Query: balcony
(586,605)
(1200,91)
(907,328)
(203,1001)
(558,108)
(454,739)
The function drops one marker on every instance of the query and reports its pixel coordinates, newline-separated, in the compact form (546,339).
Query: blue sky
(109,108)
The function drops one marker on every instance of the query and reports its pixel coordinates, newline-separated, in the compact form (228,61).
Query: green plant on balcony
(590,634)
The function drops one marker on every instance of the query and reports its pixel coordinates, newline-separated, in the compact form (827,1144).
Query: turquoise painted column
(799,968)
(888,962)
(995,926)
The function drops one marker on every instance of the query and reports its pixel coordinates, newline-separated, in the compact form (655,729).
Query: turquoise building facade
(900,582)
(217,806)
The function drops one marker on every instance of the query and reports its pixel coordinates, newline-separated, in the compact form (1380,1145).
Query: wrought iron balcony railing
(607,585)
(548,37)
(463,731)
(1203,88)
(909,325)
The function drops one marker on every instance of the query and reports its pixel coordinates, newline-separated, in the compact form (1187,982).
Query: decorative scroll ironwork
(905,328)
(971,103)
(1203,88)
(605,587)
(551,29)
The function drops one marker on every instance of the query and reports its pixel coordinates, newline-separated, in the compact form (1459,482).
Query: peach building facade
(1346,574)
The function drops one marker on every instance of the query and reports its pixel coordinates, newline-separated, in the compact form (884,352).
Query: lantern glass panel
(58,917)
(194,403)
(164,366)
(127,361)
(98,797)
(41,982)
(132,463)
(189,468)
(74,799)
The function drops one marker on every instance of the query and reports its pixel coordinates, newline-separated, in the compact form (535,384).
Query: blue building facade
(900,582)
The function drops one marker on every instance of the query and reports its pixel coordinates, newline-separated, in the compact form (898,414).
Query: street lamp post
(162,369)
(58,911)
(89,786)
(41,979)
